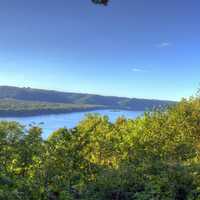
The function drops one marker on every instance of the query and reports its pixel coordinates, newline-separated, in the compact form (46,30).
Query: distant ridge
(37,97)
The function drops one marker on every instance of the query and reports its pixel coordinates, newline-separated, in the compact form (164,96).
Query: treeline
(110,102)
(154,157)
(19,108)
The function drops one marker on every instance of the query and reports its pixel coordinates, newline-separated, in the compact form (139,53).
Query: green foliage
(154,157)
(11,107)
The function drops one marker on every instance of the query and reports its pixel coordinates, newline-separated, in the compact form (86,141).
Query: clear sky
(134,48)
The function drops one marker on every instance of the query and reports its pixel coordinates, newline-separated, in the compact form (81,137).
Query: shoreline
(37,113)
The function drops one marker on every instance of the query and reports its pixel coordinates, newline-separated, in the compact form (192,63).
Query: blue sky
(138,48)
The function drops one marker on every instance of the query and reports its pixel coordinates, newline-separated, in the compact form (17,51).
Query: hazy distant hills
(28,101)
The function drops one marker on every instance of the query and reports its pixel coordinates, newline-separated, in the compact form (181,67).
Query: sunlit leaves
(156,156)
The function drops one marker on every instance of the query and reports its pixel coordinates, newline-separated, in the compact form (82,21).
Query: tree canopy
(156,156)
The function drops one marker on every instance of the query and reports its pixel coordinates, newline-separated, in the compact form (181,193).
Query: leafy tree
(156,156)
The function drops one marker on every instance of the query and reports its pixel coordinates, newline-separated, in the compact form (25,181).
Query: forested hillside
(155,157)
(18,108)
(73,100)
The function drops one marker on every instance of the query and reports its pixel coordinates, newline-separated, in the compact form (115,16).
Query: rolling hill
(29,101)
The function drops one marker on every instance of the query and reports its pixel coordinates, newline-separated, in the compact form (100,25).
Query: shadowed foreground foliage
(154,157)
